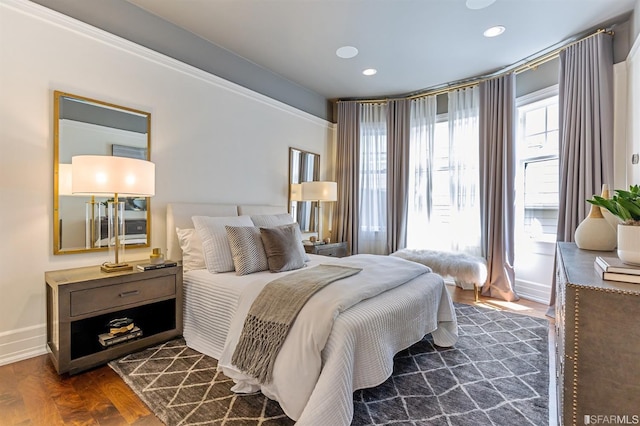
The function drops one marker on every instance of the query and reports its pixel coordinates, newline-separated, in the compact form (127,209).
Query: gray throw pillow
(246,249)
(271,220)
(282,246)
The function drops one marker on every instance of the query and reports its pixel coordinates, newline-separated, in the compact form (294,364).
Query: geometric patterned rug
(497,374)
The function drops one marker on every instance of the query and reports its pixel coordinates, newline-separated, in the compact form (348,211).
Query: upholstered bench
(468,272)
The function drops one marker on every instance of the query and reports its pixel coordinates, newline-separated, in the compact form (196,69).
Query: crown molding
(83,29)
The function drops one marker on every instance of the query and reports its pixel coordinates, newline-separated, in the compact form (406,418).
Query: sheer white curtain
(464,175)
(372,233)
(421,230)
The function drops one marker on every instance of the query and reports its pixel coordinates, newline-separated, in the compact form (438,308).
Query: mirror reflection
(304,166)
(84,126)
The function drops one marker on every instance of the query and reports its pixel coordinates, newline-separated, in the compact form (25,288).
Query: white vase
(629,244)
(613,220)
(595,233)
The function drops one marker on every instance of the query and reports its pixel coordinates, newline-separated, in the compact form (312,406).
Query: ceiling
(413,44)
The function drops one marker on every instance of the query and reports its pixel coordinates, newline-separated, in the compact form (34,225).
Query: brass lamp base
(115,267)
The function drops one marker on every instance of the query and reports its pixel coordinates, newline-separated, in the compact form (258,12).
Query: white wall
(211,141)
(633,114)
(636,20)
(620,110)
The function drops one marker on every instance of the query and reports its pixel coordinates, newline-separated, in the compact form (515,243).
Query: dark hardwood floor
(32,393)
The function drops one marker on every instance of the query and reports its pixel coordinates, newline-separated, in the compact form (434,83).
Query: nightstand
(82,301)
(331,249)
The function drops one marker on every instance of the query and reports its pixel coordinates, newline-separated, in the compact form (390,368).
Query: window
(541,199)
(372,233)
(537,187)
(429,217)
(537,184)
(441,197)
(444,159)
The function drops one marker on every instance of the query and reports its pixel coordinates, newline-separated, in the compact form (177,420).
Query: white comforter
(305,390)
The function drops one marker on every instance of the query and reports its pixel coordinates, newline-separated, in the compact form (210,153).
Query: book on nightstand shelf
(150,266)
(108,339)
(616,276)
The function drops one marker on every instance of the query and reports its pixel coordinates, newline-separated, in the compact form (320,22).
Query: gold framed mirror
(304,166)
(84,126)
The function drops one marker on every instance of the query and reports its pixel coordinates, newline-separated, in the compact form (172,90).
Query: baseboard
(533,291)
(23,343)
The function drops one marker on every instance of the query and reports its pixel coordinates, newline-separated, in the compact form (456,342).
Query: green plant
(625,205)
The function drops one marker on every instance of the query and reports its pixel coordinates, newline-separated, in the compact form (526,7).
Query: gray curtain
(497,184)
(586,128)
(585,103)
(347,175)
(398,149)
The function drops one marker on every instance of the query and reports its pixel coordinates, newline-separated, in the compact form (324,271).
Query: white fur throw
(467,270)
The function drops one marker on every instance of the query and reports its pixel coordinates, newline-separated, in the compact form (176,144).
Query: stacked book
(151,266)
(120,330)
(613,269)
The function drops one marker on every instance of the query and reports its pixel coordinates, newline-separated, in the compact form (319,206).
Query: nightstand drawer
(114,296)
(330,251)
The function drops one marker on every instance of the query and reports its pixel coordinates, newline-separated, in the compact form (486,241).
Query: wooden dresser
(598,341)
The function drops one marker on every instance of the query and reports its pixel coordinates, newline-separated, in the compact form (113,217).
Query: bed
(357,353)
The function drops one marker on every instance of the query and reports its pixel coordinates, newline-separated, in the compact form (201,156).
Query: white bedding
(358,352)
(210,301)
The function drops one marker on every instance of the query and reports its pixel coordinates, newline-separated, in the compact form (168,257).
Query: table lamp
(117,176)
(319,191)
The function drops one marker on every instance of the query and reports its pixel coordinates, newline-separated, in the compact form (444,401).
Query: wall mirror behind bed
(304,166)
(84,126)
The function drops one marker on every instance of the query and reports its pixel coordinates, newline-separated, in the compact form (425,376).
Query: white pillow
(217,252)
(247,249)
(271,220)
(191,245)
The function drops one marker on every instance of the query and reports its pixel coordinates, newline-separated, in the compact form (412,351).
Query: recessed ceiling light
(479,4)
(494,31)
(370,71)
(346,52)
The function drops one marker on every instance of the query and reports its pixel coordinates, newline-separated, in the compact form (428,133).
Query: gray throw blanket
(272,314)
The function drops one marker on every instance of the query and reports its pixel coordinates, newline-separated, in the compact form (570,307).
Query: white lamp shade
(296,192)
(320,191)
(102,174)
(64,179)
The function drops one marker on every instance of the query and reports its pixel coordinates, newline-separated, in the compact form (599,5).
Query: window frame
(538,246)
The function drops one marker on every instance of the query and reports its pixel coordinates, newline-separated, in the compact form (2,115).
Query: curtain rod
(518,67)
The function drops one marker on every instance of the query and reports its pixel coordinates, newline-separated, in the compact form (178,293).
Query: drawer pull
(129,293)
